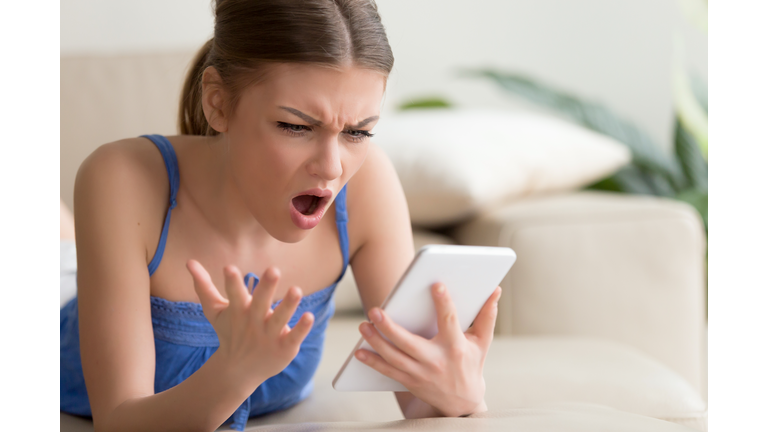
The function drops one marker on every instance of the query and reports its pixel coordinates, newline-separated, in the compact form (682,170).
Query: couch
(601,324)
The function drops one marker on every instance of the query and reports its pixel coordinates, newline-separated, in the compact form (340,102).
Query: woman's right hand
(254,338)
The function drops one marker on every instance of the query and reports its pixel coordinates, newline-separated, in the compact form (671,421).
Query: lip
(308,222)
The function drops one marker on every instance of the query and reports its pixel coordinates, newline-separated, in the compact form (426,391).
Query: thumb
(485,321)
(210,298)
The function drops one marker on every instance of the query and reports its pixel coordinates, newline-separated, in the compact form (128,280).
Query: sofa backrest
(107,98)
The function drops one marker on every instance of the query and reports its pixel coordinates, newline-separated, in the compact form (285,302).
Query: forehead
(328,94)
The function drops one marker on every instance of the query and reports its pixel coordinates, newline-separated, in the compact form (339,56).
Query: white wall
(618,52)
(130,26)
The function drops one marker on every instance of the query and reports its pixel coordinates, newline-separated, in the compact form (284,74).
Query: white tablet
(470,275)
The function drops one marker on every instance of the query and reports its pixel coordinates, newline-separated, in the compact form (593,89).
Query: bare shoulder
(122,185)
(375,199)
(125,164)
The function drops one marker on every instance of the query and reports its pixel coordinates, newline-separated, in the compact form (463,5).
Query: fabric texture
(184,339)
(453,163)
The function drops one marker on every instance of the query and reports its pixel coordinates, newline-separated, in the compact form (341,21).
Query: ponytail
(191,116)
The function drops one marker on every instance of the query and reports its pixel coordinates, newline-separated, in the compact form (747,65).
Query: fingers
(285,310)
(301,329)
(237,293)
(447,321)
(265,292)
(486,319)
(210,297)
(376,362)
(411,344)
(394,356)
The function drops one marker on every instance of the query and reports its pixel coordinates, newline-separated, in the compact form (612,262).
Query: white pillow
(454,162)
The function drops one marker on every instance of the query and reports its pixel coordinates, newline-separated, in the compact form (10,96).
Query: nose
(326,162)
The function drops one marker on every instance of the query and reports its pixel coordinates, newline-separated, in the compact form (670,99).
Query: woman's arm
(446,369)
(112,215)
(387,249)
(379,216)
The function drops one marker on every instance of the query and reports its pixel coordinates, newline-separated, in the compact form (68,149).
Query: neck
(210,187)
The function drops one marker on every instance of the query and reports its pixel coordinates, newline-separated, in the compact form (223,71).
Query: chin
(292,234)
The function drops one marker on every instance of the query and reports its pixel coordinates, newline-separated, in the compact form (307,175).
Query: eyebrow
(315,122)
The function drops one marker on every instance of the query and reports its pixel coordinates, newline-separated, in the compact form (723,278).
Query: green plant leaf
(690,158)
(687,105)
(636,180)
(652,170)
(700,201)
(430,102)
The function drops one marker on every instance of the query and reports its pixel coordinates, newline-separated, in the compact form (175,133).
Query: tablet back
(470,274)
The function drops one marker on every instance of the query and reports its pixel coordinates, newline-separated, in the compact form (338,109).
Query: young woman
(273,175)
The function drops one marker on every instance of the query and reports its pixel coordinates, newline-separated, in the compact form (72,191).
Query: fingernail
(440,289)
(375,315)
(310,317)
(361,355)
(366,330)
(272,273)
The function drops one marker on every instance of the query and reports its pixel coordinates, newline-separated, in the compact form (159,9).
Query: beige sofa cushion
(455,162)
(612,266)
(107,98)
(519,373)
(544,370)
(571,417)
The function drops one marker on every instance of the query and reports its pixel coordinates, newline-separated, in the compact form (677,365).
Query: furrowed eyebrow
(315,122)
(302,116)
(365,122)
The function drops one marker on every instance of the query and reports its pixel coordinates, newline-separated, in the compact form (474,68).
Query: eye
(293,129)
(358,135)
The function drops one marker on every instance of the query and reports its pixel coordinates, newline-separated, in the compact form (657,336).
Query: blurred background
(618,52)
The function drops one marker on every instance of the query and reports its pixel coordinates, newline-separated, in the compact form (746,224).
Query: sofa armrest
(621,267)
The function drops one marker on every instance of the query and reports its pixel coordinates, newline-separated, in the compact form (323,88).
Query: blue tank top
(184,339)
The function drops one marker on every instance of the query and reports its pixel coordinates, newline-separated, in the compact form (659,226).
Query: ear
(214,99)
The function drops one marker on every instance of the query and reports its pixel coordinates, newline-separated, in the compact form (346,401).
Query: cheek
(264,154)
(353,160)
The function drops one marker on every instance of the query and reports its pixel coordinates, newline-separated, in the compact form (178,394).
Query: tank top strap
(341,226)
(172,167)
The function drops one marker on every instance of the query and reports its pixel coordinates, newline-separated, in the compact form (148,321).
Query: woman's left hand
(446,371)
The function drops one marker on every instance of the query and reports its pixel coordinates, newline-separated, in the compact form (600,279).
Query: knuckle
(456,351)
(398,362)
(407,346)
(438,366)
(449,317)
(407,380)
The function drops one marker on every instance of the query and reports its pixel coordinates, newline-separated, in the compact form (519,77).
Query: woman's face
(295,139)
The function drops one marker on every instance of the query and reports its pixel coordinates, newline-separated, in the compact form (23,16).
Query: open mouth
(307,209)
(307,204)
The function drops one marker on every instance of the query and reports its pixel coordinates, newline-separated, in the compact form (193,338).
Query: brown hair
(249,34)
